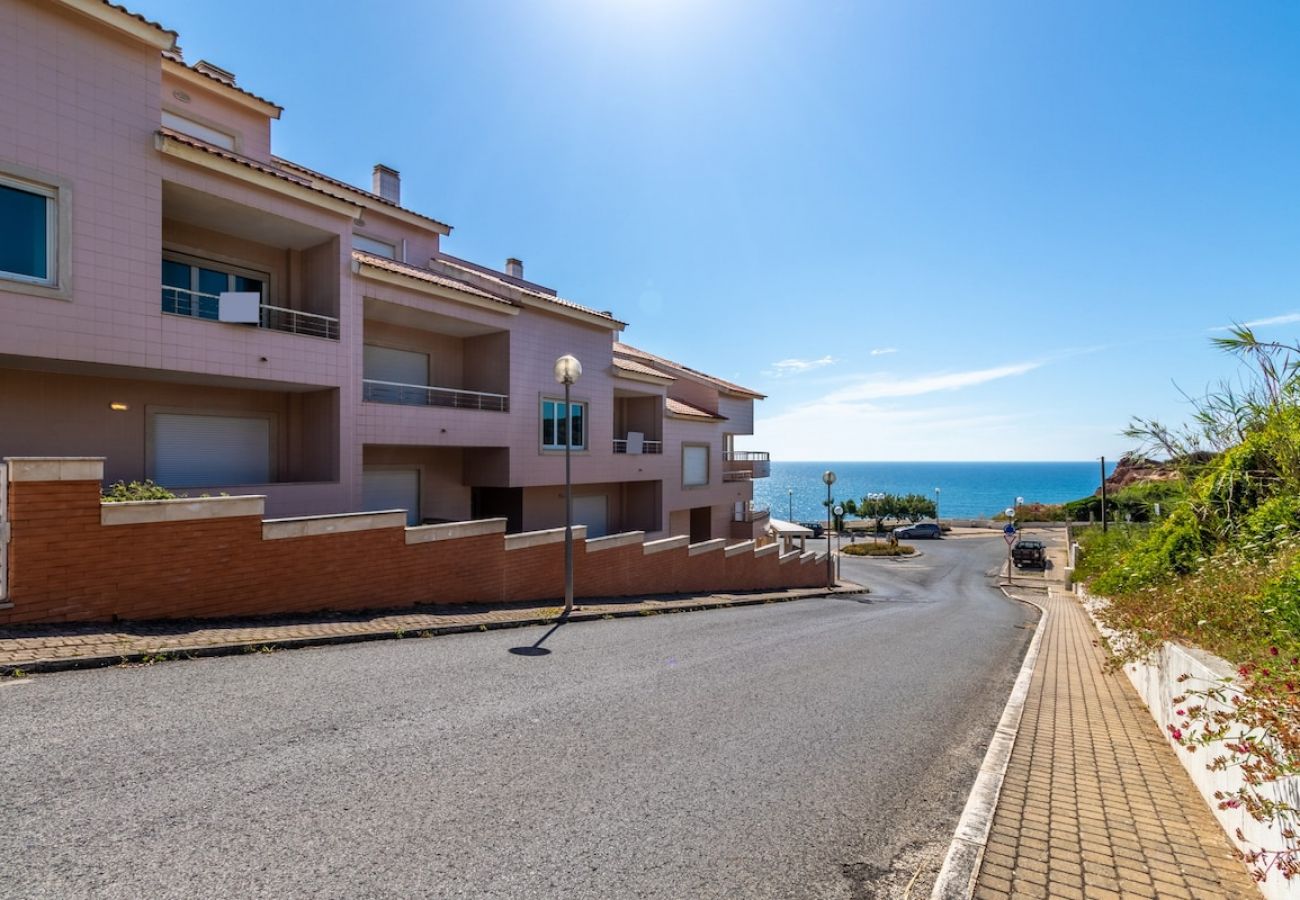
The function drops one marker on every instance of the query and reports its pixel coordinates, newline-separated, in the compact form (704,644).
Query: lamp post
(1016,517)
(1103,495)
(789,495)
(936,506)
(829,477)
(567,371)
(839,513)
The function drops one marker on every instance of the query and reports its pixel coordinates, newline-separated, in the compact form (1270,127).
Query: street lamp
(839,512)
(789,495)
(829,477)
(936,506)
(567,371)
(1020,501)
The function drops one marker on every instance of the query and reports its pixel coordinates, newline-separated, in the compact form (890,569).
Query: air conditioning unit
(240,306)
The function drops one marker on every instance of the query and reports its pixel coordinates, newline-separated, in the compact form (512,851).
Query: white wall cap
(309,526)
(450,531)
(668,543)
(140,512)
(737,549)
(706,546)
(537,538)
(609,542)
(55,468)
(767,549)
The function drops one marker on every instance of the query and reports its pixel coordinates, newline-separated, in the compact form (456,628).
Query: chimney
(223,75)
(388,183)
(515,268)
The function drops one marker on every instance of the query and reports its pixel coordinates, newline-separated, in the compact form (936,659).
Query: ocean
(967,490)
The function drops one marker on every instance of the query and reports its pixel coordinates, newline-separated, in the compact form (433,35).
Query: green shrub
(124,492)
(878,550)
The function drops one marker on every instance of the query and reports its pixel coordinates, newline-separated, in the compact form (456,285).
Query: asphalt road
(822,748)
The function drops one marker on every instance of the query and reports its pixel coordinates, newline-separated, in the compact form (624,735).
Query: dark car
(817,528)
(1029,553)
(919,530)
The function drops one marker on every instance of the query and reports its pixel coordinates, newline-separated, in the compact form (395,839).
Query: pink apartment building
(179,300)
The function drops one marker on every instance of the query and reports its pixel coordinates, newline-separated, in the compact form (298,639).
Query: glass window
(695,466)
(555,425)
(370,245)
(27,233)
(191,289)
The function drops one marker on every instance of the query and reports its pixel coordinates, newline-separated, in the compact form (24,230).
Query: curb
(235,648)
(961,865)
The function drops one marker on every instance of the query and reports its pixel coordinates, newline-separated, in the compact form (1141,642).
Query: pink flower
(1181,712)
(1176,732)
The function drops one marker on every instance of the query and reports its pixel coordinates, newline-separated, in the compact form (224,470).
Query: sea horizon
(967,489)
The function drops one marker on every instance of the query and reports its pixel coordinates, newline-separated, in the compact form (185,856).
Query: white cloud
(851,421)
(1284,319)
(798,366)
(883,351)
(885,386)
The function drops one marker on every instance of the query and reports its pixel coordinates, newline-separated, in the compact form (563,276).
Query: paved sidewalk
(1095,802)
(33,648)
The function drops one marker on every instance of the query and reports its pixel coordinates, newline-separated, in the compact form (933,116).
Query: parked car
(817,528)
(1029,553)
(919,530)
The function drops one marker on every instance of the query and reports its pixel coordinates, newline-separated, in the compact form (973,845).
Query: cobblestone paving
(1095,802)
(22,646)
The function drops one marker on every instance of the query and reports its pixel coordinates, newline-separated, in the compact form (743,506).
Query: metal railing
(373,391)
(755,512)
(620,446)
(745,465)
(199,305)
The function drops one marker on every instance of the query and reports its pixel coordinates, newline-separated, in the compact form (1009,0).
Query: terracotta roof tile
(684,410)
(139,18)
(312,173)
(727,386)
(175,58)
(180,138)
(541,295)
(401,268)
(628,365)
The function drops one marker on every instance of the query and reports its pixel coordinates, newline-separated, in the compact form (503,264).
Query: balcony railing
(745,465)
(374,391)
(754,512)
(198,305)
(620,446)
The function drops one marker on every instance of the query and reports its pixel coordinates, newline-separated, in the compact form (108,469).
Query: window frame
(542,420)
(396,255)
(708,465)
(199,125)
(231,271)
(52,223)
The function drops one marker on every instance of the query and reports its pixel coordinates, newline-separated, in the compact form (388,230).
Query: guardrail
(620,446)
(374,391)
(755,512)
(199,305)
(745,465)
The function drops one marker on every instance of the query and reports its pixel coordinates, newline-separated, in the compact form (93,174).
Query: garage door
(207,451)
(392,489)
(590,511)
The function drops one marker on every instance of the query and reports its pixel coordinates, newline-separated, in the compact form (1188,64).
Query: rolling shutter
(392,489)
(396,366)
(590,511)
(205,451)
(695,466)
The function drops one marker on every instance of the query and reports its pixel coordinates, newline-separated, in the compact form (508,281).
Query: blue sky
(926,230)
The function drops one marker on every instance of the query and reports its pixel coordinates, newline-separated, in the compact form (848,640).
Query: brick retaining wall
(72,558)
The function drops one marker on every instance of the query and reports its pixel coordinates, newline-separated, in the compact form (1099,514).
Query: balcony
(745,465)
(752,512)
(649,447)
(373,391)
(178,301)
